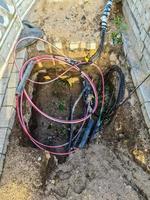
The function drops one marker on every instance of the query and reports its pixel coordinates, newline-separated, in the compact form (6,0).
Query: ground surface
(117,165)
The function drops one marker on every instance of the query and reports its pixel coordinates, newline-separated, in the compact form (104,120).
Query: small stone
(53,182)
(47,77)
(40,46)
(58,45)
(79,185)
(39,158)
(113,58)
(74,45)
(122,59)
(83,18)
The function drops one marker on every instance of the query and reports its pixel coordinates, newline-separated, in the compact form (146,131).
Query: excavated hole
(55,99)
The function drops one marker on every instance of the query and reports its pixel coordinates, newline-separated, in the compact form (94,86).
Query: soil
(117,165)
(55,100)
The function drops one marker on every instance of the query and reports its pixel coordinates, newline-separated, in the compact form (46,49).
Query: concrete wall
(137,48)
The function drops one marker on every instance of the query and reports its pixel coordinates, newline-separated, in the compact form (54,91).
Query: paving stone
(19,63)
(1,99)
(83,45)
(7,117)
(134,1)
(147,42)
(126,43)
(91,45)
(9,99)
(131,5)
(131,55)
(3,85)
(144,64)
(146,113)
(140,7)
(58,45)
(57,0)
(22,54)
(4,139)
(40,46)
(2,159)
(24,7)
(143,33)
(74,45)
(3,132)
(146,55)
(7,71)
(11,59)
(9,40)
(146,24)
(131,20)
(138,76)
(13,81)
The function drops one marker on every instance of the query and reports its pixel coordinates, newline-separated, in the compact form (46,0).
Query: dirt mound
(94,173)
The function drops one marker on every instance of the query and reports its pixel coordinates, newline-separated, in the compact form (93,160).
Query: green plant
(61,106)
(116,38)
(120,23)
(121,26)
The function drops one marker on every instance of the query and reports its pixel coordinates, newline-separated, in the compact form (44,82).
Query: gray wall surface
(137,48)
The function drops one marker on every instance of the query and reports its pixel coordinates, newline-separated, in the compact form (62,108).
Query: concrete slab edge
(8,86)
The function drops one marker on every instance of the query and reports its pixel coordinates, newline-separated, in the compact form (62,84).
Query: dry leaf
(73,80)
(139,156)
(64,77)
(47,77)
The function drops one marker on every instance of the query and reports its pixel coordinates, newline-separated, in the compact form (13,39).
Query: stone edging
(8,83)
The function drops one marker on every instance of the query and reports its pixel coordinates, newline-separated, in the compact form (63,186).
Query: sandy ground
(117,165)
(72,20)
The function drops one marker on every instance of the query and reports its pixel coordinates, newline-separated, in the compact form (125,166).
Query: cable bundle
(100,101)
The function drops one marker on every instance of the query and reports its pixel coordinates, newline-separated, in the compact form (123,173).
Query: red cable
(24,94)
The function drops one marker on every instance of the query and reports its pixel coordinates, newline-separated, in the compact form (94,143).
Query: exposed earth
(116,166)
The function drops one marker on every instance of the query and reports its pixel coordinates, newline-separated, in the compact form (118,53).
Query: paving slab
(19,63)
(1,99)
(7,116)
(138,76)
(4,139)
(9,99)
(146,113)
(13,81)
(2,158)
(22,54)
(3,85)
(7,71)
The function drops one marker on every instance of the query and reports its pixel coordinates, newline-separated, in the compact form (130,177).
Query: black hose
(115,95)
